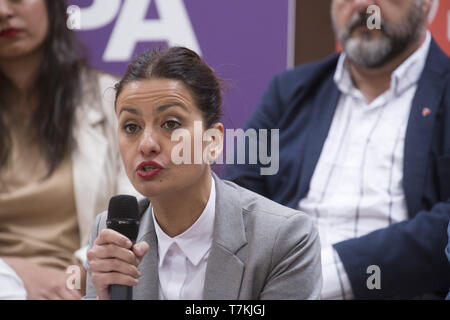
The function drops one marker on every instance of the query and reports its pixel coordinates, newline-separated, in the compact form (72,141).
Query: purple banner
(244,41)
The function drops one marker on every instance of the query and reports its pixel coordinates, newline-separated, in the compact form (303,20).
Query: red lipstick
(9,33)
(148,169)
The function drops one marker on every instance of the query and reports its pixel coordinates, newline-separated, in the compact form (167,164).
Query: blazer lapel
(88,161)
(322,116)
(420,126)
(225,270)
(148,286)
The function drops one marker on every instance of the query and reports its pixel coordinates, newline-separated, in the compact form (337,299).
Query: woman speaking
(200,237)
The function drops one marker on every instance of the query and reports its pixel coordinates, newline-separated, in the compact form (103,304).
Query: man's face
(402,22)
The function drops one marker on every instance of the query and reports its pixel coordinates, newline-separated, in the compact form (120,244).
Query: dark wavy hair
(58,85)
(184,65)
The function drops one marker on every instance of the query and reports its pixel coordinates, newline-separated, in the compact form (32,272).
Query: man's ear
(429,8)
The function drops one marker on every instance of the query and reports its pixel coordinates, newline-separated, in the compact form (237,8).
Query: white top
(183,259)
(357,185)
(11,286)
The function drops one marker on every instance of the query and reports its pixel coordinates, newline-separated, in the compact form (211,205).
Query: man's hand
(111,261)
(42,283)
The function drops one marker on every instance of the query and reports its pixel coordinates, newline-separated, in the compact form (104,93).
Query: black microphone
(123,217)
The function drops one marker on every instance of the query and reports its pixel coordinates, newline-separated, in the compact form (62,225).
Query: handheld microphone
(123,217)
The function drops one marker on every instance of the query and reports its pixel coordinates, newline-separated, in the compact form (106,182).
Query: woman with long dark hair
(59,163)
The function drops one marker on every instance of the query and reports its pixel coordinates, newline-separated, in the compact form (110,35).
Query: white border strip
(291,34)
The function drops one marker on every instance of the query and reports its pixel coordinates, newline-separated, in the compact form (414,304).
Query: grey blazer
(260,250)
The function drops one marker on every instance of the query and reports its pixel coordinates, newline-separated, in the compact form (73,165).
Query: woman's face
(23,27)
(150,112)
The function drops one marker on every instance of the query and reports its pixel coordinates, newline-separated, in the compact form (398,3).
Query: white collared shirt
(357,187)
(183,259)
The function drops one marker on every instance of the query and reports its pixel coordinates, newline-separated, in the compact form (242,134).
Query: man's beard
(373,53)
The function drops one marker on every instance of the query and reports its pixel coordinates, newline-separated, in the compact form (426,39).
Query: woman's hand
(112,262)
(42,283)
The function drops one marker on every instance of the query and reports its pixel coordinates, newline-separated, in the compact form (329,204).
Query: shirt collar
(342,76)
(195,241)
(406,75)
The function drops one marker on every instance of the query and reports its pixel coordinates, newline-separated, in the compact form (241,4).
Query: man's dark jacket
(411,254)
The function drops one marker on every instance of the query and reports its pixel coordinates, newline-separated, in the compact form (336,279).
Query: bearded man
(365,150)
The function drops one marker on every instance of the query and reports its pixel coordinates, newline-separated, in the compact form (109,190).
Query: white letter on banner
(173,26)
(99,14)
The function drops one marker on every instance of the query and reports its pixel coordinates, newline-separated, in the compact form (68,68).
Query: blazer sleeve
(410,255)
(91,294)
(296,272)
(264,117)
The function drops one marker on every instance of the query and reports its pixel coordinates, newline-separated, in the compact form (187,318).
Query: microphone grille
(123,207)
